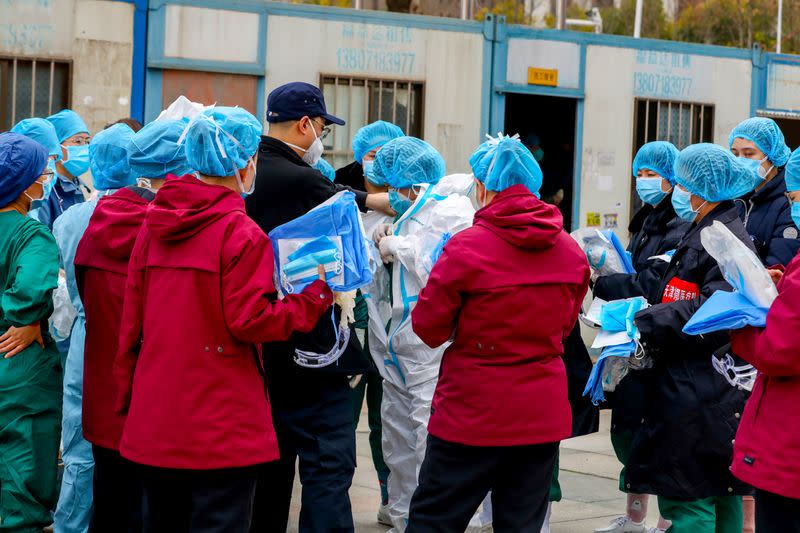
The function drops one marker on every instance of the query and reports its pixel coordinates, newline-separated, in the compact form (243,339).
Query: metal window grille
(680,123)
(32,87)
(360,101)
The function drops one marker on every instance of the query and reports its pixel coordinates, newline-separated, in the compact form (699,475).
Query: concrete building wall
(450,65)
(615,77)
(95,35)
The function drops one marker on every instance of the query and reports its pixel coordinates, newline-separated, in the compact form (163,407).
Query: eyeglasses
(324,131)
(45,177)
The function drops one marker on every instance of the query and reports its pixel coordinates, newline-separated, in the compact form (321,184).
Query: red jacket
(508,290)
(766,452)
(197,301)
(101,268)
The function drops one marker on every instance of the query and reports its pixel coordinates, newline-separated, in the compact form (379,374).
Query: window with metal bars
(32,88)
(360,101)
(680,123)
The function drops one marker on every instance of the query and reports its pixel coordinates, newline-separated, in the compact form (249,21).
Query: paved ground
(588,477)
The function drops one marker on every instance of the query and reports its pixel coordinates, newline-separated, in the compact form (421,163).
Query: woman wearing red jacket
(766,453)
(199,298)
(506,291)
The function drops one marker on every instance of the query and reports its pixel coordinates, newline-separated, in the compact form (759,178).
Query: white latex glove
(388,248)
(383,230)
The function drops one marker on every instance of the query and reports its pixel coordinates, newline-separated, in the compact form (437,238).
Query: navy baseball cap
(296,100)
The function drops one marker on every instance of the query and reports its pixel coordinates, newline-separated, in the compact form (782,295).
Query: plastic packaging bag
(332,235)
(604,251)
(64,313)
(609,370)
(754,290)
(740,265)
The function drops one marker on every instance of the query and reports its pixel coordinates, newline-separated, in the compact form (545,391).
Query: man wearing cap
(73,134)
(312,409)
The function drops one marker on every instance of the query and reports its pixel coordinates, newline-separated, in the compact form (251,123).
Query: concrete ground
(589,472)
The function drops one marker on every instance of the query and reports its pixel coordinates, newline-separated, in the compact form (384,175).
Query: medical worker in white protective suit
(430,209)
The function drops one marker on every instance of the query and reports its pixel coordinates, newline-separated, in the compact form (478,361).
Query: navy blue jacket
(64,195)
(685,444)
(654,231)
(767,216)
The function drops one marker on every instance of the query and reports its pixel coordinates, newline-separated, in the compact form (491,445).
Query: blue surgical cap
(67,123)
(41,131)
(221,140)
(22,161)
(792,172)
(658,156)
(766,135)
(374,136)
(503,162)
(407,161)
(713,173)
(326,169)
(154,151)
(108,153)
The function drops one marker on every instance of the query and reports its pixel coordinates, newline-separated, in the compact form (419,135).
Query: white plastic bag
(600,251)
(741,266)
(64,313)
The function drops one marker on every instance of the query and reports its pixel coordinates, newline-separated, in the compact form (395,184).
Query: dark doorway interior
(552,120)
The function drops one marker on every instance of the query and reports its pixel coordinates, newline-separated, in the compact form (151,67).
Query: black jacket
(767,216)
(351,176)
(685,445)
(286,188)
(655,231)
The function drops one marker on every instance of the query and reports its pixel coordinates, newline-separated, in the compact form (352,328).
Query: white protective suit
(408,366)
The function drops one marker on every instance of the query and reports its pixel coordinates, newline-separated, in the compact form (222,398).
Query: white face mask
(313,153)
(242,191)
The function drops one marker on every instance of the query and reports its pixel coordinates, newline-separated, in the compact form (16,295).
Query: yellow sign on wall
(543,76)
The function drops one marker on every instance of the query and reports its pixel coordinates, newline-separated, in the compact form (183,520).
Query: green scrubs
(722,514)
(30,382)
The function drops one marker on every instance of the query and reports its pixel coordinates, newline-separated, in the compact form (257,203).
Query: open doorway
(791,131)
(550,122)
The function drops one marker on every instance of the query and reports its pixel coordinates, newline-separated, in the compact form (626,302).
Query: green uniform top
(28,271)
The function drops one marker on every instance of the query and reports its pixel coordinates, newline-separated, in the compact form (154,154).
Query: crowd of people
(175,397)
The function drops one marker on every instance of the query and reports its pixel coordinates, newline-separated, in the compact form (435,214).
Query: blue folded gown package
(723,311)
(611,367)
(331,235)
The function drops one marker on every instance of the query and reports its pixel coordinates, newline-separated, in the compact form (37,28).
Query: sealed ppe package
(604,251)
(64,313)
(753,289)
(618,340)
(332,235)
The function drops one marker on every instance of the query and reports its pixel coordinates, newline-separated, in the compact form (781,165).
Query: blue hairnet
(154,151)
(67,123)
(767,136)
(792,172)
(407,161)
(713,173)
(658,156)
(41,131)
(108,153)
(502,162)
(22,161)
(210,145)
(326,169)
(374,136)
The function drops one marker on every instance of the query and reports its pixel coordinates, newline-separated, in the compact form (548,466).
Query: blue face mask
(77,162)
(399,202)
(796,213)
(368,166)
(754,166)
(649,190)
(682,203)
(301,269)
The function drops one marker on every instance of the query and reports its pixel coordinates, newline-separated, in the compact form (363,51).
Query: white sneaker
(656,530)
(383,516)
(623,524)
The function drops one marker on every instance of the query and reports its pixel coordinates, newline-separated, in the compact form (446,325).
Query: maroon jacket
(508,291)
(199,297)
(101,268)
(766,452)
